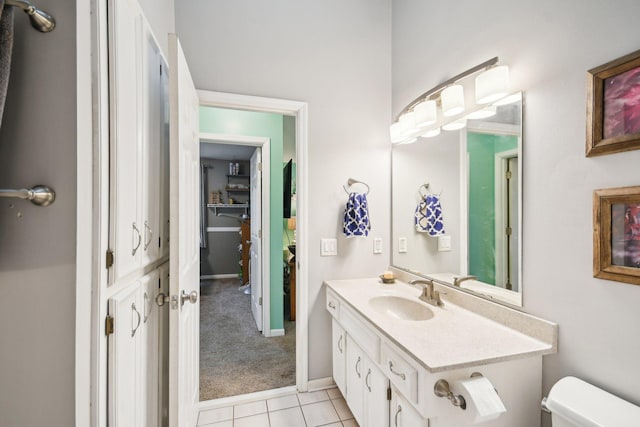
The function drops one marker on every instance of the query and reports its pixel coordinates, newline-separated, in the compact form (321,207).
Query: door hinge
(260,166)
(160,69)
(509,231)
(388,393)
(508,174)
(110,258)
(108,325)
(260,301)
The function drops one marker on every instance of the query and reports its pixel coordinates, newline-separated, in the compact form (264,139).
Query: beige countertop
(455,337)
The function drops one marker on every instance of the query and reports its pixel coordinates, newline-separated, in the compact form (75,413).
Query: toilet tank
(573,402)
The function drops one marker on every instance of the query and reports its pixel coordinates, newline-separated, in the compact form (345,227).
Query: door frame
(300,111)
(264,143)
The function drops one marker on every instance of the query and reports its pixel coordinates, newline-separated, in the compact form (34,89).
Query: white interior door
(255,266)
(184,247)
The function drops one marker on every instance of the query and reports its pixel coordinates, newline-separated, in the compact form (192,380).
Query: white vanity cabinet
(391,365)
(138,142)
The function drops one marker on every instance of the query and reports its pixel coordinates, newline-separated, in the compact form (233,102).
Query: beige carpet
(234,357)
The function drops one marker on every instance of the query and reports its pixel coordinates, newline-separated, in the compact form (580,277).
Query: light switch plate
(444,243)
(377,245)
(328,247)
(402,245)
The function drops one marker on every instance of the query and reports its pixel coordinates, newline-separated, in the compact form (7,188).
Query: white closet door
(184,258)
(255,251)
(126,229)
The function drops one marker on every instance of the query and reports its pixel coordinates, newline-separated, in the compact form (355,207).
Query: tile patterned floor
(325,408)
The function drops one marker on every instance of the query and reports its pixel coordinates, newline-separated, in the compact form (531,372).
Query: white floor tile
(334,393)
(350,423)
(215,415)
(260,420)
(333,425)
(251,408)
(313,397)
(291,417)
(342,409)
(283,402)
(318,414)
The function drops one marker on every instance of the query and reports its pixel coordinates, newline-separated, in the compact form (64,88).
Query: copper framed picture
(616,234)
(613,106)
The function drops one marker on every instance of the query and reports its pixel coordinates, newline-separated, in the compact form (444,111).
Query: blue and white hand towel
(428,216)
(356,216)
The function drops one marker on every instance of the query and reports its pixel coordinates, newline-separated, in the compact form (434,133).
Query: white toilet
(575,403)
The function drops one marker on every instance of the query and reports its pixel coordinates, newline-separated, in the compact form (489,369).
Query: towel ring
(351,182)
(426,190)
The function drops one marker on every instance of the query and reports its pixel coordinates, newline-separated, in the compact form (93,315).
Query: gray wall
(549,46)
(37,245)
(335,56)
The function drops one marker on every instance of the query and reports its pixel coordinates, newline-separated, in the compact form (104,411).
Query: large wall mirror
(475,175)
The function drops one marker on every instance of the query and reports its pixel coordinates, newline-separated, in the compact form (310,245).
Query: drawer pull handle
(357,364)
(135,310)
(366,380)
(340,343)
(332,305)
(397,413)
(135,249)
(400,374)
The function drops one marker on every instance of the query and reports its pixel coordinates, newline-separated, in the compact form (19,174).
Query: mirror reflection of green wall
(483,152)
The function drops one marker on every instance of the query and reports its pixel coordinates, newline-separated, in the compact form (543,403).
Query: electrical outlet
(377,245)
(328,247)
(402,245)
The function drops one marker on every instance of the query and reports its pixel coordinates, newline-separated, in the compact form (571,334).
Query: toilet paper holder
(442,389)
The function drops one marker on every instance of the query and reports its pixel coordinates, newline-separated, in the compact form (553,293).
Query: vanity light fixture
(425,113)
(422,118)
(492,84)
(452,99)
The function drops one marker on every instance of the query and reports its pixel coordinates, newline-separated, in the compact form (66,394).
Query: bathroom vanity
(390,349)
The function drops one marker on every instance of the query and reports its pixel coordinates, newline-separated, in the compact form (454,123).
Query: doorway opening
(247,307)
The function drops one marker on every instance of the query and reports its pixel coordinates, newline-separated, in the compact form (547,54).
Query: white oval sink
(401,308)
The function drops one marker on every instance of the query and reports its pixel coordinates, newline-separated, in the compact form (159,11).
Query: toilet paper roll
(483,403)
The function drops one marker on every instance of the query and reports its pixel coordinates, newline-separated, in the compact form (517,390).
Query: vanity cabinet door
(376,407)
(403,414)
(339,356)
(355,380)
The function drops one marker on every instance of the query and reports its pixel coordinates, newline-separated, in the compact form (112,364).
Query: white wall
(335,56)
(549,46)
(160,15)
(37,245)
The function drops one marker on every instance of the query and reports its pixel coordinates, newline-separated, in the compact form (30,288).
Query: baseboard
(218,276)
(320,384)
(277,332)
(246,398)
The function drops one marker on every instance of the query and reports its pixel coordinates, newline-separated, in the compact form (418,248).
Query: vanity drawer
(333,304)
(401,372)
(359,332)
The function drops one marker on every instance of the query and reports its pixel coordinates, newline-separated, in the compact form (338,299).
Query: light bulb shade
(394,133)
(492,84)
(455,125)
(407,124)
(483,113)
(425,113)
(452,100)
(431,133)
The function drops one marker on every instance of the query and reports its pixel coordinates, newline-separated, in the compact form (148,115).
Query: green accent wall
(250,123)
(482,149)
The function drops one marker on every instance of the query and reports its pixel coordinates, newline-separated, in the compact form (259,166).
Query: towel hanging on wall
(428,216)
(6,45)
(356,216)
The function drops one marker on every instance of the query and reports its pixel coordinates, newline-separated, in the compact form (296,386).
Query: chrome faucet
(429,294)
(458,280)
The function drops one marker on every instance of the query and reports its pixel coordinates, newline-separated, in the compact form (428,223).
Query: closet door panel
(126,229)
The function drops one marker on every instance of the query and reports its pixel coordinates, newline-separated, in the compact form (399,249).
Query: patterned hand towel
(6,44)
(428,216)
(356,216)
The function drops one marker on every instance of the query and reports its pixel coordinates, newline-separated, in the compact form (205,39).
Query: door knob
(192,297)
